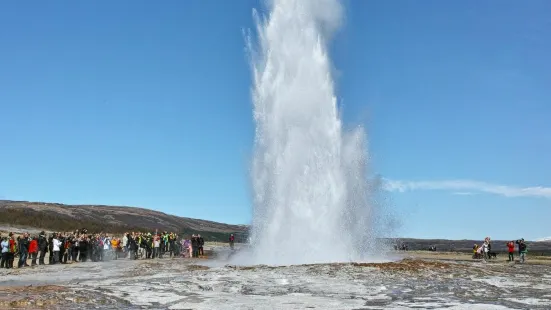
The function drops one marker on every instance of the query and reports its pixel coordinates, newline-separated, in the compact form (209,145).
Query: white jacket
(57,245)
(485,247)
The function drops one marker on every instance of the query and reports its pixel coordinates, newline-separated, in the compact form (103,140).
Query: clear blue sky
(148,104)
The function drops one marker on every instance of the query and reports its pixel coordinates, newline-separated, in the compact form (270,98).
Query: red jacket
(511,247)
(12,246)
(33,246)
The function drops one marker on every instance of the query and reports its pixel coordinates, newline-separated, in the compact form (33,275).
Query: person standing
(83,245)
(148,245)
(5,245)
(132,247)
(156,246)
(189,248)
(161,249)
(23,246)
(164,242)
(61,238)
(232,240)
(11,250)
(172,244)
(56,247)
(33,250)
(194,246)
(51,249)
(485,250)
(523,250)
(518,242)
(125,243)
(42,247)
(201,243)
(74,252)
(511,249)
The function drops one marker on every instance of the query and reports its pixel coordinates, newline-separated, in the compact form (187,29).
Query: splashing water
(312,197)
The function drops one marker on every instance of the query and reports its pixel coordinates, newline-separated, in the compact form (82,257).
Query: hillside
(96,218)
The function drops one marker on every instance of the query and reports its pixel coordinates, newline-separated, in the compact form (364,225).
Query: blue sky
(143,104)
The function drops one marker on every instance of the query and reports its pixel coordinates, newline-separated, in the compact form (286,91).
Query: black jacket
(83,246)
(23,245)
(42,243)
(51,243)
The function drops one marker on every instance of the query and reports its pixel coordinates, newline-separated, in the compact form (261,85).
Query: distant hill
(115,219)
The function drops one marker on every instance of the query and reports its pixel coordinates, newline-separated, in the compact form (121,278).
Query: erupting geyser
(311,194)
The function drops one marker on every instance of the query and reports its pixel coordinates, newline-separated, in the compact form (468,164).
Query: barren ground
(420,280)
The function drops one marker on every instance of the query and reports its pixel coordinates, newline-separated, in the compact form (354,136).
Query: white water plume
(312,198)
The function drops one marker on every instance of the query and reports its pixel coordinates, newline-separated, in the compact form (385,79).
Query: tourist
(5,245)
(75,248)
(11,251)
(66,249)
(72,247)
(42,247)
(194,246)
(201,243)
(116,247)
(125,243)
(133,247)
(61,249)
(518,242)
(51,249)
(140,241)
(164,242)
(33,250)
(23,247)
(232,240)
(523,249)
(485,250)
(83,245)
(185,252)
(511,250)
(106,248)
(148,243)
(56,249)
(156,246)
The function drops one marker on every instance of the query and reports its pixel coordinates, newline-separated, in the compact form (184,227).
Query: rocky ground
(410,283)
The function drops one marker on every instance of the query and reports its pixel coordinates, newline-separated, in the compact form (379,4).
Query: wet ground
(189,284)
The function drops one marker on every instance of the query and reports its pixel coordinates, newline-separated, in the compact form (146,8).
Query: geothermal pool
(187,284)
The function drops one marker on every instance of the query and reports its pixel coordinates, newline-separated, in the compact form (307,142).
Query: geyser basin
(311,194)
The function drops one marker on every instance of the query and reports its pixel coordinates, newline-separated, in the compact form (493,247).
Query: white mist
(311,195)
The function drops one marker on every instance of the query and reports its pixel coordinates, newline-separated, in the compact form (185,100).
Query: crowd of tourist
(81,246)
(484,251)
